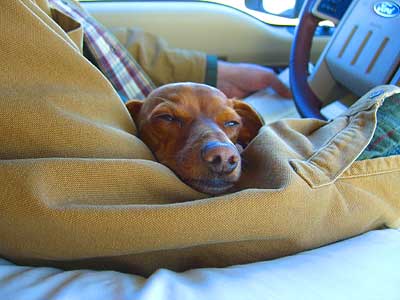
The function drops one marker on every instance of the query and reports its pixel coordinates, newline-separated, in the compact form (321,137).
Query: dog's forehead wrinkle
(210,107)
(150,104)
(193,97)
(161,99)
(177,109)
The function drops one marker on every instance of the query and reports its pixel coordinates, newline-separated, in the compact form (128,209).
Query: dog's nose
(220,157)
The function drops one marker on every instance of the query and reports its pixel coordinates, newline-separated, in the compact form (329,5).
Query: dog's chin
(214,186)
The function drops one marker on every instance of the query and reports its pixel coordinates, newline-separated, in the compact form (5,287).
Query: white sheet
(366,267)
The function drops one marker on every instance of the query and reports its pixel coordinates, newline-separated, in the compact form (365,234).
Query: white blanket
(365,267)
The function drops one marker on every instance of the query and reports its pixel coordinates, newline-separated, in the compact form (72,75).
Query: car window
(281,7)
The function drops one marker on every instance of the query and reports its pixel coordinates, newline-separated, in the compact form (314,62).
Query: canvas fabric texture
(115,62)
(80,190)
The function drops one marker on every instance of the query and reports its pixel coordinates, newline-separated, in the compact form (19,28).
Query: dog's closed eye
(166,117)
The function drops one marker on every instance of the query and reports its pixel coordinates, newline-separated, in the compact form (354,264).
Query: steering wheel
(361,54)
(307,103)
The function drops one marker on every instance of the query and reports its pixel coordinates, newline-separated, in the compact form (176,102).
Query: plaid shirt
(116,63)
(386,139)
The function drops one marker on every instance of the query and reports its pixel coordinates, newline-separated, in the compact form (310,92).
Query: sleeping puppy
(197,132)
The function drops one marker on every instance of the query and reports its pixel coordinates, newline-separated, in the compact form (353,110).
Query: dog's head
(196,131)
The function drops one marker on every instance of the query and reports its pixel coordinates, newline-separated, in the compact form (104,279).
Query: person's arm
(165,65)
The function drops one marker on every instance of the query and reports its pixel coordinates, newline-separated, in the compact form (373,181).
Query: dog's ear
(134,107)
(251,122)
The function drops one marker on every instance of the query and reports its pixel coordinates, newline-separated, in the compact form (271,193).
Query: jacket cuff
(211,70)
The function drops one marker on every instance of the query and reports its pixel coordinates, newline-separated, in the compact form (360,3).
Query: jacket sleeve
(165,64)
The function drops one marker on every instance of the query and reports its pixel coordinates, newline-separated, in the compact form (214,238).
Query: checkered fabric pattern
(386,139)
(115,62)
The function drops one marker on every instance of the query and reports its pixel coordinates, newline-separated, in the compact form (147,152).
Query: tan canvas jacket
(79,189)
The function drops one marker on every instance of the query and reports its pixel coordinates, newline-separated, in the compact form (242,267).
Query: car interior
(330,53)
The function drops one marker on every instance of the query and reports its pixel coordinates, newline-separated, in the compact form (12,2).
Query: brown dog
(195,130)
